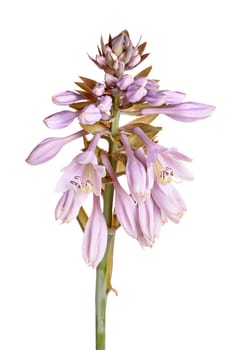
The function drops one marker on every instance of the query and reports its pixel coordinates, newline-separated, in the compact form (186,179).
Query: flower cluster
(151,169)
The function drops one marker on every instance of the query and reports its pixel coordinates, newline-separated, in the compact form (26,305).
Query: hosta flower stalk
(121,165)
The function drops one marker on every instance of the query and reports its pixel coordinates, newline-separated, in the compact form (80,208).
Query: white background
(177,295)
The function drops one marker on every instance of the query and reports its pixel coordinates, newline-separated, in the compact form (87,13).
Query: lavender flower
(83,176)
(136,91)
(149,167)
(167,162)
(90,115)
(49,148)
(150,222)
(130,152)
(124,205)
(66,98)
(69,205)
(95,235)
(119,54)
(135,170)
(99,89)
(183,112)
(60,120)
(169,201)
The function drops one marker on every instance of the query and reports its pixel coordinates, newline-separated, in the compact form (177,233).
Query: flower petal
(95,235)
(48,148)
(150,221)
(67,207)
(135,93)
(60,120)
(173,97)
(179,169)
(125,81)
(169,200)
(90,115)
(66,98)
(124,205)
(184,112)
(135,170)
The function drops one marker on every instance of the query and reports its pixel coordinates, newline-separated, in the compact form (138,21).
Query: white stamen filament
(165,174)
(87,183)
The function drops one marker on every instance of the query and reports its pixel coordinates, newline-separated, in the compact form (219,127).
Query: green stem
(104,269)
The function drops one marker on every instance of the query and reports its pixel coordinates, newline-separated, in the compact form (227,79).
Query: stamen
(166,174)
(86,187)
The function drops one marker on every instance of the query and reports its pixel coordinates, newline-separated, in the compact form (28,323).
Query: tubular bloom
(95,235)
(151,170)
(81,177)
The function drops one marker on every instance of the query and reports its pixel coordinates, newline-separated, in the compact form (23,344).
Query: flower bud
(120,43)
(48,148)
(95,235)
(60,120)
(66,98)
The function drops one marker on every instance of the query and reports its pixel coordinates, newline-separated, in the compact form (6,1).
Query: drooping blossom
(95,235)
(169,201)
(83,176)
(69,205)
(168,163)
(150,222)
(124,205)
(138,176)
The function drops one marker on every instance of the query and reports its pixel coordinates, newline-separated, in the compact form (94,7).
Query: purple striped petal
(99,89)
(125,81)
(125,207)
(90,115)
(184,112)
(68,206)
(169,200)
(95,235)
(48,148)
(135,93)
(150,221)
(60,120)
(104,104)
(155,98)
(66,98)
(136,170)
(173,97)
